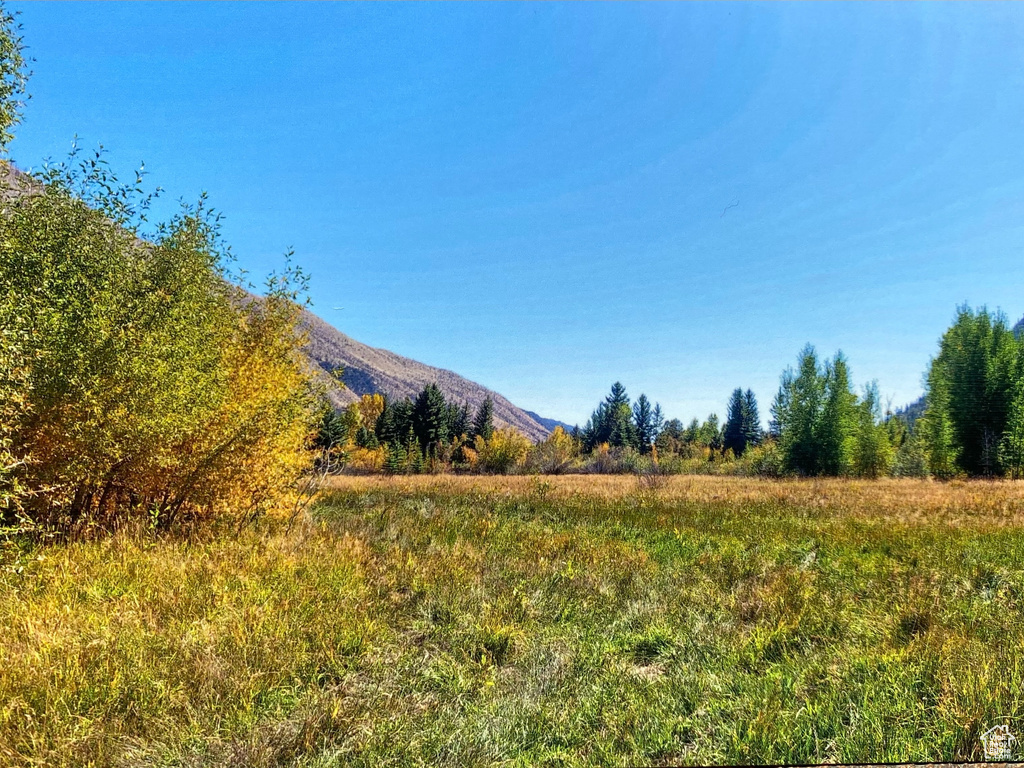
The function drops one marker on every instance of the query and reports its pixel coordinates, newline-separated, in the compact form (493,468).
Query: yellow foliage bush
(555,454)
(503,453)
(366,459)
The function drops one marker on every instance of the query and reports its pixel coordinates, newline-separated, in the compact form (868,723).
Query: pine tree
(395,422)
(430,419)
(462,422)
(644,427)
(394,459)
(751,420)
(733,434)
(483,423)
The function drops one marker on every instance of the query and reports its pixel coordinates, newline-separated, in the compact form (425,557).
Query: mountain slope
(549,423)
(368,370)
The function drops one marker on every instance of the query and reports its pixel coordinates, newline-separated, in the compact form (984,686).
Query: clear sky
(546,198)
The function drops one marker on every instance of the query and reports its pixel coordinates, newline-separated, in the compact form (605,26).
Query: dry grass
(530,621)
(977,502)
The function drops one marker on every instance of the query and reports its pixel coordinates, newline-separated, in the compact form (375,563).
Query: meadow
(576,620)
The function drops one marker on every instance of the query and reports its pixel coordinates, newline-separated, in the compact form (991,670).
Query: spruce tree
(751,420)
(395,422)
(644,427)
(461,421)
(483,423)
(430,419)
(332,432)
(394,459)
(733,434)
(622,432)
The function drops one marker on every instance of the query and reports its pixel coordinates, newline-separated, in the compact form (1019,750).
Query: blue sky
(547,198)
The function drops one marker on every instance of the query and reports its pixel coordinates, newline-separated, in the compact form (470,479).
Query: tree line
(971,424)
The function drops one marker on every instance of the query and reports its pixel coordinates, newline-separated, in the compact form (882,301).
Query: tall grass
(520,621)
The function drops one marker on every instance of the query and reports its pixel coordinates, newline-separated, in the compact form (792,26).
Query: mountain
(549,423)
(367,370)
(911,412)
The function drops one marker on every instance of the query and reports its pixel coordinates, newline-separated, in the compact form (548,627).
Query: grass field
(530,621)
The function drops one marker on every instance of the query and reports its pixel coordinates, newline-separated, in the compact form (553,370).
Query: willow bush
(140,383)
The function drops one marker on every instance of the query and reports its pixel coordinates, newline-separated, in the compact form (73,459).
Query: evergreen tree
(670,437)
(417,463)
(622,432)
(592,431)
(483,423)
(430,419)
(976,369)
(733,434)
(1011,447)
(751,420)
(395,422)
(619,426)
(644,427)
(835,431)
(936,428)
(743,423)
(611,422)
(797,411)
(873,451)
(461,421)
(617,396)
(366,438)
(332,432)
(394,459)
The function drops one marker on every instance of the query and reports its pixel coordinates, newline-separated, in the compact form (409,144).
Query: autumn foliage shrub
(503,453)
(555,455)
(139,383)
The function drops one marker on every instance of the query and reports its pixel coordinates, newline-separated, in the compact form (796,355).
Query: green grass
(538,623)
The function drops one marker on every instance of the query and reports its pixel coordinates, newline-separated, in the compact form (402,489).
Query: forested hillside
(367,370)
